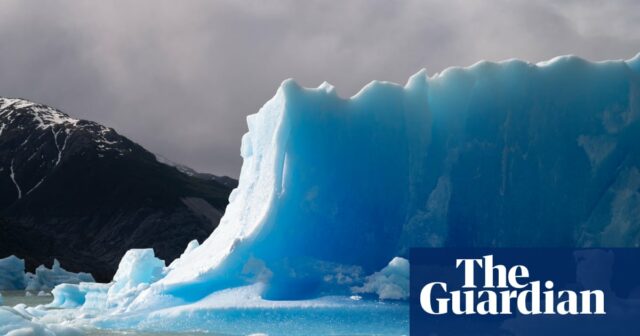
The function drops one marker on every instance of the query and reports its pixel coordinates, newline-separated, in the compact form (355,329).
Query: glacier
(334,191)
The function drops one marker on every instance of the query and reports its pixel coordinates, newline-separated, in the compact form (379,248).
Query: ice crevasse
(333,189)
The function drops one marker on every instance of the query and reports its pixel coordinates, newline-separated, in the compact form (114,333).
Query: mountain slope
(80,192)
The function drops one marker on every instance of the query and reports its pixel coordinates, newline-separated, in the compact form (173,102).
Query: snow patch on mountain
(14,111)
(29,130)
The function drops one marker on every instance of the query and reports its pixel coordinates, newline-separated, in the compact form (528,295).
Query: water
(12,298)
(317,321)
(139,333)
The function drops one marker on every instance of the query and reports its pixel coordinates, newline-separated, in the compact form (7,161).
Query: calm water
(12,298)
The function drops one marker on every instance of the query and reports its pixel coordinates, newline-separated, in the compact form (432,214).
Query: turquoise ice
(507,154)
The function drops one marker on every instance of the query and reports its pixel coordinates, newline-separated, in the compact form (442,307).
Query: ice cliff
(506,154)
(333,189)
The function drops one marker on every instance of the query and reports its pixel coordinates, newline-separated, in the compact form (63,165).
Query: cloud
(180,77)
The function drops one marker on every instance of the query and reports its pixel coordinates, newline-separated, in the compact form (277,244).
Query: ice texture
(11,273)
(333,189)
(13,276)
(87,294)
(392,282)
(497,154)
(46,279)
(16,322)
(137,267)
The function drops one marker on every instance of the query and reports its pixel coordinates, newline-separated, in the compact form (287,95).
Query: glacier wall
(496,154)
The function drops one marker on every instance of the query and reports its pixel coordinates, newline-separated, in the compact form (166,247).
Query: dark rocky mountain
(80,192)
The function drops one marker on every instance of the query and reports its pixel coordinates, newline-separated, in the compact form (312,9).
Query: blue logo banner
(525,291)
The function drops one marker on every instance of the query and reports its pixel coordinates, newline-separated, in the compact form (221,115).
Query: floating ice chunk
(391,283)
(12,323)
(11,273)
(46,279)
(86,294)
(17,322)
(67,296)
(138,269)
(13,276)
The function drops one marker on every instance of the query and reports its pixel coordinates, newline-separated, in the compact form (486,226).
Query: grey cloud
(180,77)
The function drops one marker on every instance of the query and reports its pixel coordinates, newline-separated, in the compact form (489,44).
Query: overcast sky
(180,77)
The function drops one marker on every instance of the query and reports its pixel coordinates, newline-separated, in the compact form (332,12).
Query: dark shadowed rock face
(80,192)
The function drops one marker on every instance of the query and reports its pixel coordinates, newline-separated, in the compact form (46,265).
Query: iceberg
(15,322)
(12,273)
(45,279)
(137,270)
(497,154)
(13,276)
(334,191)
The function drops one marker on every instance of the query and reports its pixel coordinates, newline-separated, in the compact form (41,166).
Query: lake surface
(263,319)
(12,298)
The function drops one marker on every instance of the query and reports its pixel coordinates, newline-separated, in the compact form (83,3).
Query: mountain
(82,193)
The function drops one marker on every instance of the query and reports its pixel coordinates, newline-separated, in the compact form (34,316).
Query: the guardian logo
(504,292)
